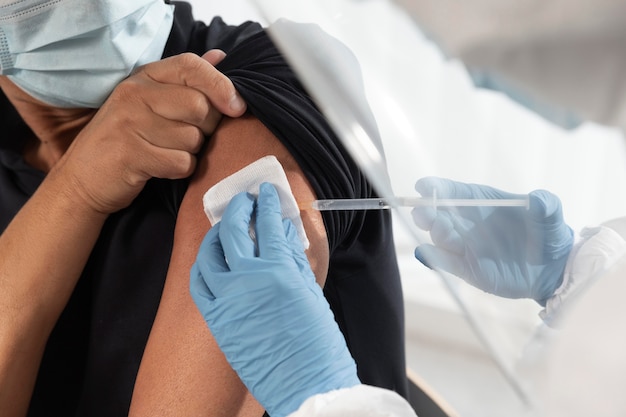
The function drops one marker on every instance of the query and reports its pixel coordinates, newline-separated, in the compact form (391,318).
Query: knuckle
(179,164)
(186,165)
(198,107)
(219,82)
(129,91)
(211,122)
(197,141)
(132,176)
(191,140)
(188,61)
(140,69)
(194,68)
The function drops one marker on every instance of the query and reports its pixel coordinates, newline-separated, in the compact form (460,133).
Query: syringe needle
(387,203)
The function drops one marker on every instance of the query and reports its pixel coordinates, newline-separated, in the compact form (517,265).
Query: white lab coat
(591,267)
(586,372)
(358,401)
(596,251)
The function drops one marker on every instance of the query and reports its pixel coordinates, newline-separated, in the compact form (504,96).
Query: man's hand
(152,125)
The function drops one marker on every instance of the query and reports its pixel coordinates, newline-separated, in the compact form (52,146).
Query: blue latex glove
(264,308)
(512,252)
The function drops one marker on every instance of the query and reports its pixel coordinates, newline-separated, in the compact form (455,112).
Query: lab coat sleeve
(361,401)
(596,250)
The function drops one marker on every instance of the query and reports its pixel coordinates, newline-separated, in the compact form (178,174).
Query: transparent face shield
(405,111)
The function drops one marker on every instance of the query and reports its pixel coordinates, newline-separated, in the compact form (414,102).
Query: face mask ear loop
(6,58)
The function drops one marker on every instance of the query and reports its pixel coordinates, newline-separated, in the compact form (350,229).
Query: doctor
(270,319)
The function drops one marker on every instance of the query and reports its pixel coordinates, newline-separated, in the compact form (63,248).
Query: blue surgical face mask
(72,53)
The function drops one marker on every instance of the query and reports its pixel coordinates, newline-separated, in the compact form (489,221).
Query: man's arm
(45,247)
(38,272)
(183,372)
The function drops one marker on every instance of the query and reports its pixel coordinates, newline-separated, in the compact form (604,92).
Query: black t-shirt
(93,354)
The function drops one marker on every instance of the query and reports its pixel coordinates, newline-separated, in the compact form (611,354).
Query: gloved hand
(513,252)
(264,308)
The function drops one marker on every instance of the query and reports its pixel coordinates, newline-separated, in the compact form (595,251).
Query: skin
(72,200)
(183,372)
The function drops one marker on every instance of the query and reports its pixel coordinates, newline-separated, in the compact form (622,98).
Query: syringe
(388,203)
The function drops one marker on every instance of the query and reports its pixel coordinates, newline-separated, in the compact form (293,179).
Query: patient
(130,337)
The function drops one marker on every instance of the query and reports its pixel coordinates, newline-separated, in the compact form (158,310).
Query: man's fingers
(172,135)
(170,101)
(269,223)
(159,162)
(193,71)
(214,56)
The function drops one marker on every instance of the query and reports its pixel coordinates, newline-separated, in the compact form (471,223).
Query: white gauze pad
(266,169)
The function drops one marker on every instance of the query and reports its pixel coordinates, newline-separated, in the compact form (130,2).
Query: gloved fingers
(270,233)
(440,259)
(200,292)
(445,235)
(235,230)
(423,217)
(552,237)
(428,186)
(210,257)
(442,188)
(445,188)
(210,260)
(545,207)
(441,225)
(297,252)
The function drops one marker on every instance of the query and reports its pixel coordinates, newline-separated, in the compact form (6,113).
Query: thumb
(237,104)
(545,207)
(214,56)
(297,252)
